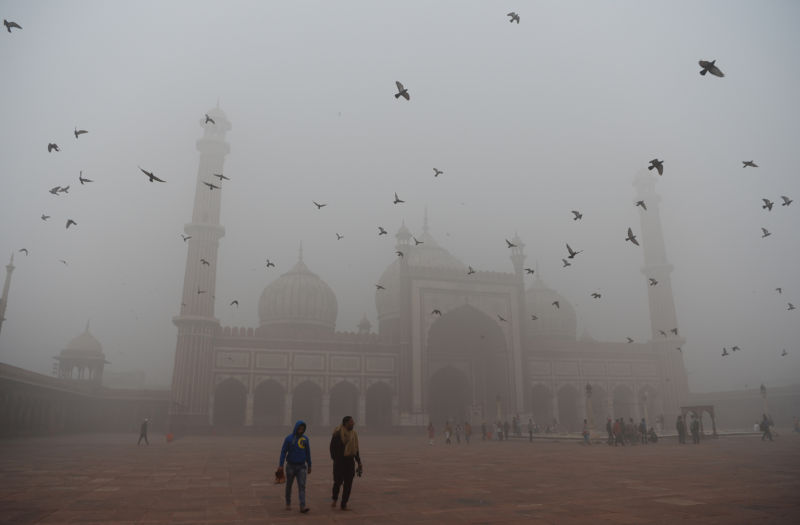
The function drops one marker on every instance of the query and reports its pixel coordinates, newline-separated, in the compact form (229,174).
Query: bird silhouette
(235,303)
(767,204)
(221,177)
(339,237)
(52,147)
(709,67)
(630,340)
(674,331)
(572,253)
(436,172)
(54,191)
(70,222)
(199,291)
(205,262)
(510,244)
(270,264)
(566,263)
(658,165)
(597,295)
(786,200)
(514,17)
(470,270)
(82,180)
(529,271)
(150,175)
(735,348)
(65,189)
(556,304)
(62,261)
(380,287)
(631,237)
(399,253)
(790,307)
(724,351)
(779,290)
(79,132)
(381,231)
(397,199)
(577,215)
(662,332)
(784,353)
(501,318)
(209,119)
(401,91)
(416,242)
(765,233)
(9,25)
(318,205)
(45,217)
(641,204)
(436,311)
(23,250)
(211,187)
(653,282)
(186,237)
(534,318)
(749,163)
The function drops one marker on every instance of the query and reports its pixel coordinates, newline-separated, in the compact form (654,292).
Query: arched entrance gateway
(343,402)
(230,398)
(268,404)
(307,404)
(468,367)
(379,406)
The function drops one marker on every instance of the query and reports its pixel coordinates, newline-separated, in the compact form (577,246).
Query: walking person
(643,431)
(459,430)
(506,429)
(618,430)
(448,431)
(530,430)
(586,433)
(467,431)
(695,429)
(296,453)
(345,455)
(143,433)
(483,431)
(766,433)
(610,431)
(680,426)
(431,433)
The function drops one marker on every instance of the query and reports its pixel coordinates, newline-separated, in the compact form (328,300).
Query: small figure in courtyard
(765,429)
(506,428)
(483,431)
(431,433)
(652,436)
(459,431)
(296,453)
(694,428)
(585,433)
(143,433)
(618,429)
(530,430)
(610,431)
(680,426)
(467,431)
(643,431)
(448,431)
(345,455)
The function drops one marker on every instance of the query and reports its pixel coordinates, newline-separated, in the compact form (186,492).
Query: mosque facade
(483,358)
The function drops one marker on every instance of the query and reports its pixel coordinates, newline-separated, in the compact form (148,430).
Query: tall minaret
(4,299)
(660,298)
(197,326)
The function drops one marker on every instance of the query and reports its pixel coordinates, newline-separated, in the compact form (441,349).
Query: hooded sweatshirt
(296,450)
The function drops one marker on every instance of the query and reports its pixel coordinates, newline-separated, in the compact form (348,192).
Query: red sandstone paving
(228,480)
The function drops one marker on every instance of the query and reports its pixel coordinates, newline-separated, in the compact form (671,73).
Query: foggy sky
(527,121)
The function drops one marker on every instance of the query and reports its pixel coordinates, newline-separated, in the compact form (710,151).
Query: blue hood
(297,425)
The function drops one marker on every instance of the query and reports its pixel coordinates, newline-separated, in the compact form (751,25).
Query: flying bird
(572,253)
(235,303)
(82,180)
(62,261)
(658,165)
(211,187)
(470,270)
(71,222)
(23,250)
(436,311)
(9,25)
(709,67)
(380,287)
(401,91)
(578,215)
(150,174)
(54,191)
(381,231)
(399,253)
(513,17)
(674,331)
(786,200)
(641,204)
(318,205)
(631,237)
(501,318)
(510,244)
(597,295)
(270,264)
(339,237)
(653,282)
(397,199)
(790,307)
(767,204)
(662,332)
(765,233)
(186,237)
(529,271)
(735,348)
(205,262)
(416,242)
(779,290)
(65,189)
(220,176)
(209,119)
(784,353)
(750,163)
(630,339)
(52,146)
(566,263)
(79,132)
(556,304)
(534,318)
(199,291)
(45,217)
(724,351)
(436,172)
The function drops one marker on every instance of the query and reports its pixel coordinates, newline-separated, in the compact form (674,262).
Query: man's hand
(360,470)
(309,469)
(280,469)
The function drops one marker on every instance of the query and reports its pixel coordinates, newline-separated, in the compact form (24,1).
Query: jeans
(343,471)
(296,471)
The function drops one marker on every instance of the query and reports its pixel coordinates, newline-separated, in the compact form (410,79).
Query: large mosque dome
(298,300)
(552,322)
(85,345)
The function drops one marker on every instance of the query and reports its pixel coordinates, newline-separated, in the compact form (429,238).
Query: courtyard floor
(229,480)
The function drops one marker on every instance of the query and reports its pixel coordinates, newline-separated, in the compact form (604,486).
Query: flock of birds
(403,92)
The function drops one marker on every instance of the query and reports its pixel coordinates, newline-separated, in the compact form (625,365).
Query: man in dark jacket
(143,433)
(296,452)
(344,453)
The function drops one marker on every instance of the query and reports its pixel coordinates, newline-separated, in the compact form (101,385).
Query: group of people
(627,433)
(694,429)
(464,430)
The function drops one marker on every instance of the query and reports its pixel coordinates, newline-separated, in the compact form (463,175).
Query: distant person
(766,433)
(680,427)
(296,452)
(652,436)
(143,433)
(643,431)
(797,424)
(695,430)
(586,434)
(506,428)
(467,431)
(431,433)
(459,431)
(610,431)
(619,428)
(448,431)
(483,431)
(530,430)
(345,455)
(499,431)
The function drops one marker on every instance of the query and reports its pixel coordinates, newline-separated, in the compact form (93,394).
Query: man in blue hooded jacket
(296,452)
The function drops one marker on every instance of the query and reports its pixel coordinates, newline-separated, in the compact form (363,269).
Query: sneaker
(288,507)
(333,504)
(304,510)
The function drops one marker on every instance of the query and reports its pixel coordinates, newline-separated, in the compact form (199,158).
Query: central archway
(230,398)
(470,339)
(343,402)
(450,396)
(307,404)
(268,404)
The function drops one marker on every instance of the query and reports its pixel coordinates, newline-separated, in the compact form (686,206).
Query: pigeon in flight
(790,307)
(339,237)
(784,353)
(9,25)
(209,119)
(534,318)
(529,271)
(71,222)
(786,200)
(653,282)
(724,351)
(397,199)
(641,204)
(401,91)
(65,189)
(470,270)
(556,304)
(221,177)
(658,165)
(270,264)
(79,132)
(235,302)
(24,250)
(52,146)
(205,262)
(436,311)
(597,295)
(578,215)
(199,291)
(735,348)
(513,17)
(750,163)
(572,253)
(566,263)
(82,180)
(674,331)
(501,318)
(779,290)
(54,191)
(416,242)
(381,231)
(150,174)
(62,261)
(630,339)
(510,244)
(45,217)
(662,332)
(436,172)
(765,233)
(709,67)
(631,237)
(380,287)
(211,187)
(767,204)
(318,205)
(399,253)
(186,237)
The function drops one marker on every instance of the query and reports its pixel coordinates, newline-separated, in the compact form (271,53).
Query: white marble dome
(84,345)
(552,322)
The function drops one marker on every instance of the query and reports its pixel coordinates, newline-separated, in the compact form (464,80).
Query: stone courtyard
(229,480)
